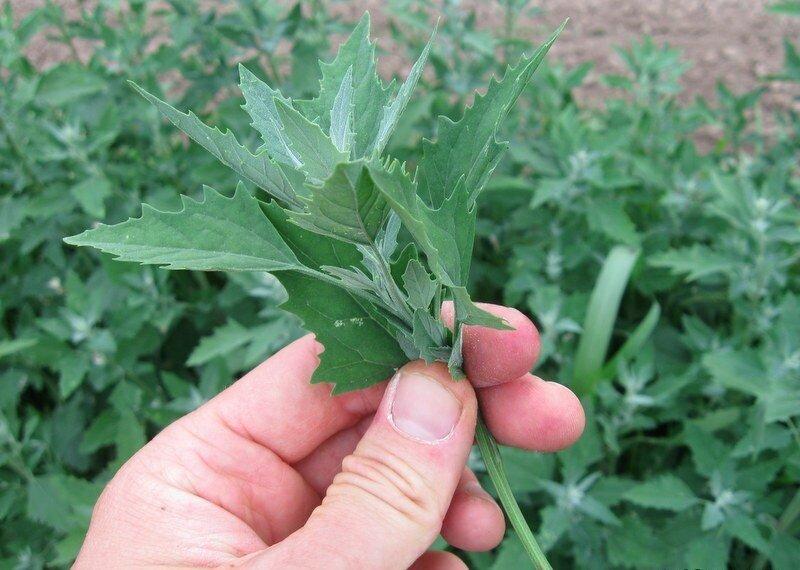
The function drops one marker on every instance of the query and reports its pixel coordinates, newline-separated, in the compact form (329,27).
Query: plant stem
(490,452)
(391,287)
(789,515)
(322,276)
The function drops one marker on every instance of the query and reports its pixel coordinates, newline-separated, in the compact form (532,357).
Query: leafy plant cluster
(337,204)
(653,241)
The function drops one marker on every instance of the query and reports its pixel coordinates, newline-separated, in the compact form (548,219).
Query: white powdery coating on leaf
(357,321)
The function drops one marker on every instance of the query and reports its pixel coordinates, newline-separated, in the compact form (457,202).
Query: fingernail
(422,408)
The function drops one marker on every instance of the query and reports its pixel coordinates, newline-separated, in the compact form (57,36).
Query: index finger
(493,356)
(520,409)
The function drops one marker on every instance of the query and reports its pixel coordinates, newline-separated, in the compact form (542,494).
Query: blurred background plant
(660,262)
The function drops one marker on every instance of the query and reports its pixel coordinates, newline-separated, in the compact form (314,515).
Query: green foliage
(218,233)
(347,206)
(97,356)
(691,455)
(349,202)
(259,168)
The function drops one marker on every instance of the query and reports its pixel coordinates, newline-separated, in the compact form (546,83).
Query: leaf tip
(140,90)
(74,240)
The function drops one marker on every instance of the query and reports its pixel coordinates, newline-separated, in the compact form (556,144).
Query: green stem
(331,280)
(392,289)
(789,515)
(490,452)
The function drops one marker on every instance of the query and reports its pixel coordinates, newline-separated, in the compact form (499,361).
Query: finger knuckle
(390,483)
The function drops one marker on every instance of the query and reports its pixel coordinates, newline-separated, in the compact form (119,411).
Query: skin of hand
(274,472)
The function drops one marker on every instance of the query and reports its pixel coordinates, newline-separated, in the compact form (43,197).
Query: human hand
(276,473)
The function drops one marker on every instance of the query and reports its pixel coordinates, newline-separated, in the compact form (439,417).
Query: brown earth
(735,41)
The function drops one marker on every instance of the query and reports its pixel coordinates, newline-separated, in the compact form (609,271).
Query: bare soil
(734,41)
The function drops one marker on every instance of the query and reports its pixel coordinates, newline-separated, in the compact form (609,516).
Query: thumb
(386,506)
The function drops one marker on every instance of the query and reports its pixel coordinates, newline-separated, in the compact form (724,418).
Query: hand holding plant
(331,229)
(241,480)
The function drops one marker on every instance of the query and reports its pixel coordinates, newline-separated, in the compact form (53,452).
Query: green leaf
(369,95)
(45,505)
(525,469)
(317,153)
(445,235)
(393,112)
(419,286)
(555,523)
(782,400)
(101,432)
(67,548)
(466,152)
(221,342)
(601,316)
(68,82)
(341,131)
(636,545)
(438,207)
(611,489)
(91,194)
(455,363)
(578,458)
(468,313)
(742,370)
(9,347)
(12,213)
(635,342)
(745,529)
(360,348)
(260,105)
(60,501)
(609,218)
(665,492)
(738,370)
(784,551)
(428,335)
(217,234)
(347,206)
(72,368)
(511,556)
(709,453)
(789,7)
(696,261)
(708,551)
(598,511)
(257,168)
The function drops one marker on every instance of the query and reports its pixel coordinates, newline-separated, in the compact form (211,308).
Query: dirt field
(735,41)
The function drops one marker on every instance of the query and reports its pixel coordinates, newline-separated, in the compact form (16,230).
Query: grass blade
(600,317)
(635,342)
